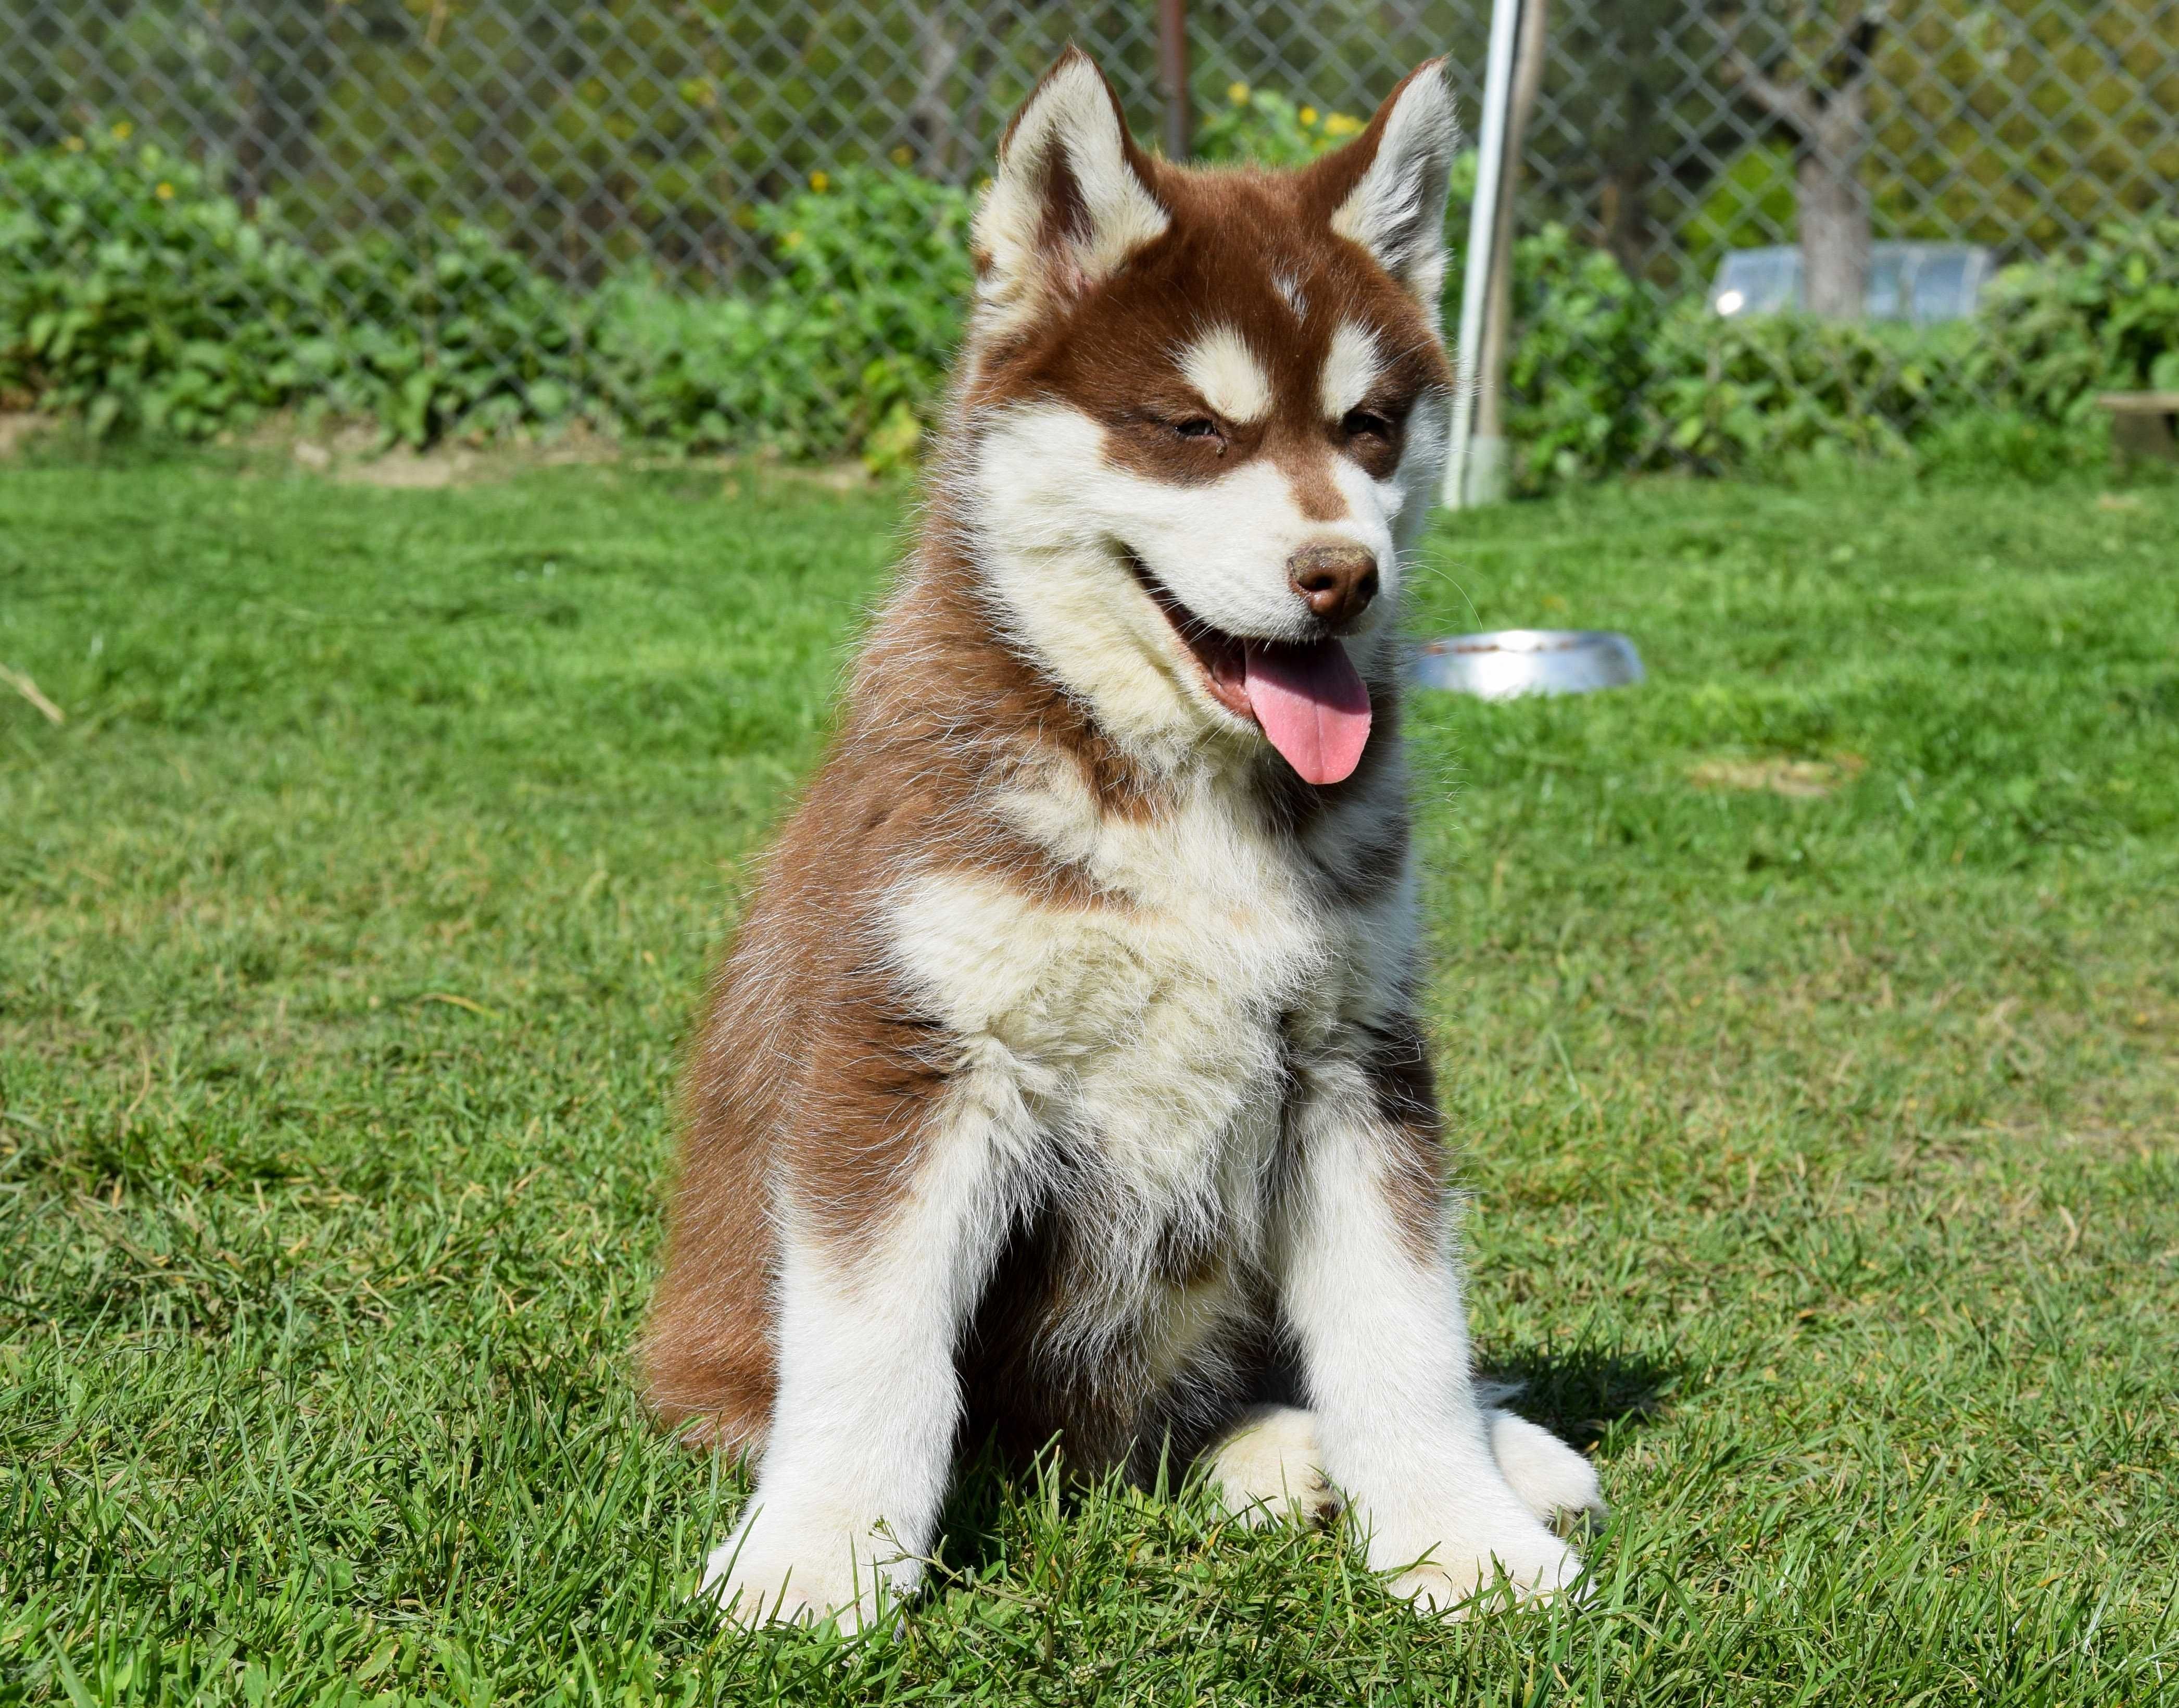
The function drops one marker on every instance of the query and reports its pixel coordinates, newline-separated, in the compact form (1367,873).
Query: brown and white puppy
(1064,1079)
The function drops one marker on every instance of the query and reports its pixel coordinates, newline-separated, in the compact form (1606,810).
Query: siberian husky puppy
(1064,1079)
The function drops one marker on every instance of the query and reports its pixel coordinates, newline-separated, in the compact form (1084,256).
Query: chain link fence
(593,139)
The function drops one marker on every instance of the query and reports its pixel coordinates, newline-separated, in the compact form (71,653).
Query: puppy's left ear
(1071,200)
(1387,189)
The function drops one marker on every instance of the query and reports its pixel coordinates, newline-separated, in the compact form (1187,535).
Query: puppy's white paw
(1536,1565)
(786,1574)
(1268,1467)
(1549,1477)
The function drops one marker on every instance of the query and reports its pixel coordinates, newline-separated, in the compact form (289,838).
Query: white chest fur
(1150,1028)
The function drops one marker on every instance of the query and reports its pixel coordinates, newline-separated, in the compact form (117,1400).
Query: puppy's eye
(1196,427)
(1367,424)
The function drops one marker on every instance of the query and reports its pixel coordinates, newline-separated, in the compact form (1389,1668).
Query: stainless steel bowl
(1507,662)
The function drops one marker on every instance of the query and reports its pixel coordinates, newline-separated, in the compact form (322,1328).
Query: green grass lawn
(1822,1146)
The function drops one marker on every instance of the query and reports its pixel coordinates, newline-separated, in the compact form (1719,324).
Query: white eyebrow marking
(1289,290)
(1227,375)
(1351,368)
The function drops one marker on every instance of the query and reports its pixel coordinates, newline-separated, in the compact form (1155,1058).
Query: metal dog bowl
(1508,662)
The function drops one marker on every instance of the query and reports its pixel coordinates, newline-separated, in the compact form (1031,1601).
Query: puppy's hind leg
(1268,1466)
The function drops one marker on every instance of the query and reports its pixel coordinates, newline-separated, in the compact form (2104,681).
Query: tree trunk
(1623,200)
(1834,210)
(1828,113)
(931,120)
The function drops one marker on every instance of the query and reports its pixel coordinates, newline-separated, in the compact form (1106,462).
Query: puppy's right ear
(1072,198)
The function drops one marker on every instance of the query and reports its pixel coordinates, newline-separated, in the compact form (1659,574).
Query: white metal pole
(1482,236)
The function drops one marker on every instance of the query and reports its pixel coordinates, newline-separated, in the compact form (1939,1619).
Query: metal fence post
(1482,239)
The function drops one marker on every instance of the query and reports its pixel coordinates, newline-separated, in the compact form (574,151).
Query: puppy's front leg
(862,1433)
(1372,1296)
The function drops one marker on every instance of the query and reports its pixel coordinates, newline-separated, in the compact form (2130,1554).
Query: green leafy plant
(453,333)
(1723,393)
(875,264)
(1270,129)
(847,350)
(1605,376)
(134,295)
(2063,329)
(690,371)
(1580,363)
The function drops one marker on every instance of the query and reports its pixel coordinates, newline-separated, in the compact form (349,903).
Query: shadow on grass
(1578,1393)
(1581,1392)
(972,1528)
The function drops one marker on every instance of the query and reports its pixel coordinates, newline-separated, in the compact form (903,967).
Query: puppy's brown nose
(1338,581)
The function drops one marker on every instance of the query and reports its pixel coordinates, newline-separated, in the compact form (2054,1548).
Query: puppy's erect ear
(1385,190)
(1072,197)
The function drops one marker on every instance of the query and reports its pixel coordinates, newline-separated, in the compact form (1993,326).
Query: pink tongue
(1312,705)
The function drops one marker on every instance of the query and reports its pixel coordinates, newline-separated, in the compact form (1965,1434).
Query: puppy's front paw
(784,1574)
(1551,1479)
(1534,1564)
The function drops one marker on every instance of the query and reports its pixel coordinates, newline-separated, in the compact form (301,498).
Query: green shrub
(2060,331)
(690,371)
(1604,376)
(1268,127)
(134,295)
(447,333)
(847,350)
(1725,392)
(1580,362)
(876,275)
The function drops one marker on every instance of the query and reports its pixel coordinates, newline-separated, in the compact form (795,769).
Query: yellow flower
(791,240)
(1340,124)
(1237,93)
(121,131)
(73,144)
(1309,115)
(165,192)
(819,182)
(903,155)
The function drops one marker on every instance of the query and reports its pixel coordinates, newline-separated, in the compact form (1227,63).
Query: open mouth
(1306,696)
